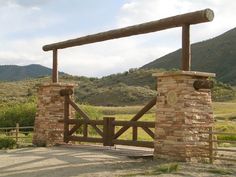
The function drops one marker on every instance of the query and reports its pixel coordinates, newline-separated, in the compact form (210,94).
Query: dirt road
(83,161)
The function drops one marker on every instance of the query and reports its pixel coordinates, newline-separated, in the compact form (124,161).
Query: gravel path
(85,161)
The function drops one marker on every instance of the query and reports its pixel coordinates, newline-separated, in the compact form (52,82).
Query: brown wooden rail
(184,21)
(213,149)
(16,132)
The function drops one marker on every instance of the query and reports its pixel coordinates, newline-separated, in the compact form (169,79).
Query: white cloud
(137,11)
(108,57)
(19,19)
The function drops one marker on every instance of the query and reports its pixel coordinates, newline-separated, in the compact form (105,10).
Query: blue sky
(27,25)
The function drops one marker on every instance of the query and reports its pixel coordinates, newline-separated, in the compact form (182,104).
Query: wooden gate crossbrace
(107,135)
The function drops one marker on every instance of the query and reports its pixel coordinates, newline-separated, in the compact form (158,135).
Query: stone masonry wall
(50,108)
(182,112)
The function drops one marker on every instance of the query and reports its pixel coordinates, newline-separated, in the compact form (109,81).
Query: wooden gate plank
(137,116)
(85,116)
(148,131)
(74,128)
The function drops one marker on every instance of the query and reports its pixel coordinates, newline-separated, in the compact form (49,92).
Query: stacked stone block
(182,114)
(48,130)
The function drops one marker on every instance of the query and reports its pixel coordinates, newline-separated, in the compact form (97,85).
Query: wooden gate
(107,129)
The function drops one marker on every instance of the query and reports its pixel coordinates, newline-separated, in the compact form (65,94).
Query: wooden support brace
(186,48)
(66,119)
(135,133)
(54,67)
(108,131)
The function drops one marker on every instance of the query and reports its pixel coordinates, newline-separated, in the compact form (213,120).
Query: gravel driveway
(63,161)
(86,161)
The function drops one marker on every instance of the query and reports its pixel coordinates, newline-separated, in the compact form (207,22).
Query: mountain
(217,55)
(16,73)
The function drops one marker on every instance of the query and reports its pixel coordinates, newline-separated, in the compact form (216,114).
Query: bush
(7,143)
(24,114)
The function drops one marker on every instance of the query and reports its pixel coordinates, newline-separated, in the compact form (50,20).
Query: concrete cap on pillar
(189,73)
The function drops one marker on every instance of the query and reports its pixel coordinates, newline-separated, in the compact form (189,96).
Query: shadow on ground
(85,161)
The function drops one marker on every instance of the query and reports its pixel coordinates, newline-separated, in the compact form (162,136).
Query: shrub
(24,114)
(7,143)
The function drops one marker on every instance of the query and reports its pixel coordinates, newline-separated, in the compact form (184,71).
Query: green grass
(225,114)
(225,110)
(108,110)
(220,171)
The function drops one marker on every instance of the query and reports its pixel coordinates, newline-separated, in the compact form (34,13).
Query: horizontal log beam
(85,121)
(158,25)
(203,84)
(64,92)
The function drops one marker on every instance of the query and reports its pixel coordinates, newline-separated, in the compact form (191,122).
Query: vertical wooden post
(66,118)
(108,131)
(211,145)
(17,132)
(54,67)
(186,48)
(85,130)
(135,133)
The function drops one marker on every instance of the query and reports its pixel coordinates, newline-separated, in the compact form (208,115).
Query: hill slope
(15,73)
(217,55)
(136,87)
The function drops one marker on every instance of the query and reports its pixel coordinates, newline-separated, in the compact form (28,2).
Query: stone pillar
(50,108)
(182,112)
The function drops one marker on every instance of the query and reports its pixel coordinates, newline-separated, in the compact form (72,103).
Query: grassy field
(224,112)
